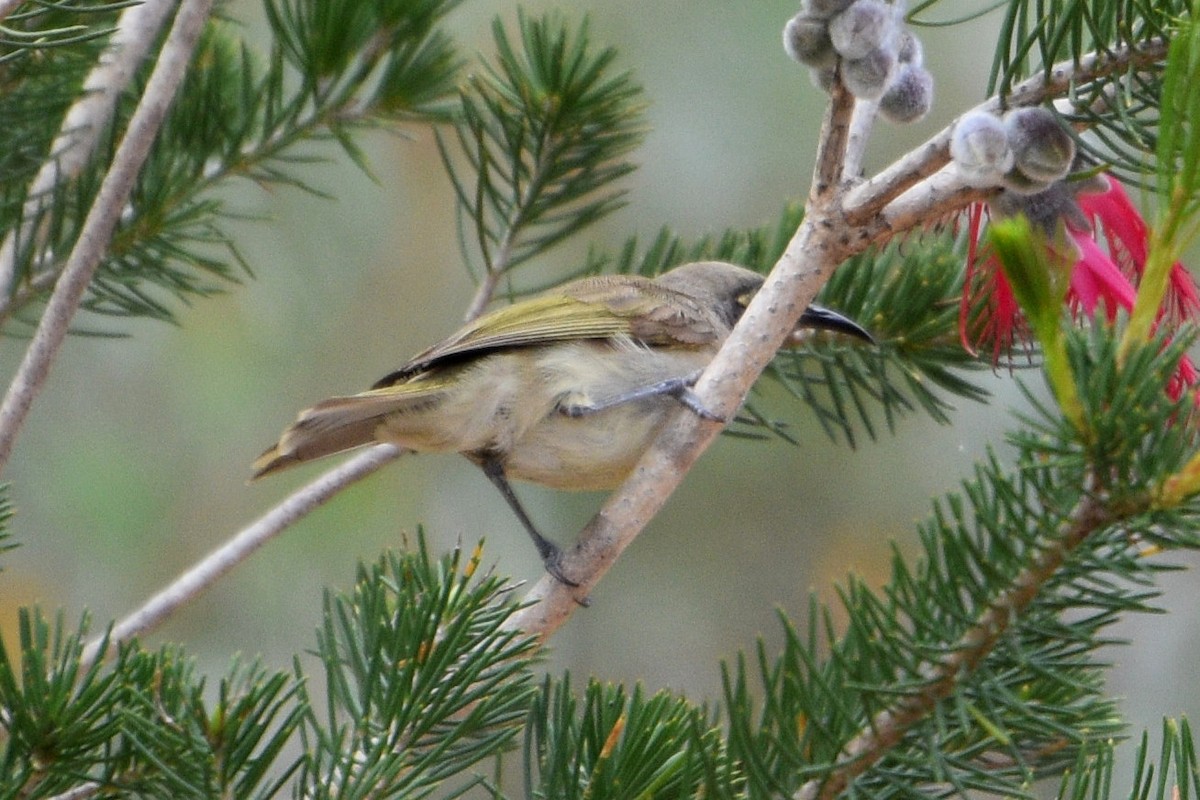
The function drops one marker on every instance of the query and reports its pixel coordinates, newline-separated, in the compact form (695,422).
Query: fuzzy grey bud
(825,9)
(1042,148)
(862,28)
(806,39)
(909,49)
(979,148)
(868,77)
(910,95)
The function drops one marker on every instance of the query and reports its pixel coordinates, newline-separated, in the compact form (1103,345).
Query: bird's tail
(332,426)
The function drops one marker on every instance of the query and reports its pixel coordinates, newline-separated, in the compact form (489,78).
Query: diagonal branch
(239,547)
(840,221)
(887,728)
(101,220)
(818,246)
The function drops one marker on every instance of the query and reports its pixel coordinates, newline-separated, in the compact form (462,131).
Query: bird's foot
(579,405)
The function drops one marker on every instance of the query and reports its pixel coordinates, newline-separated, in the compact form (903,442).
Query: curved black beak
(823,319)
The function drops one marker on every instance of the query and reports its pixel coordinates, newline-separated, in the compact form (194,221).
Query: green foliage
(142,725)
(1178,149)
(1119,108)
(544,132)
(34,32)
(333,69)
(380,56)
(1176,775)
(36,85)
(229,747)
(613,744)
(1178,769)
(1035,35)
(1131,437)
(422,679)
(57,713)
(977,668)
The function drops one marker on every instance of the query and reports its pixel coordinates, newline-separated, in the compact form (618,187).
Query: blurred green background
(134,462)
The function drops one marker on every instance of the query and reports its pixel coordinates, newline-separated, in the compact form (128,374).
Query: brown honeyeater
(566,389)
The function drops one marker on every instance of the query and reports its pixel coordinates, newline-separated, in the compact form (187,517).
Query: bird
(565,389)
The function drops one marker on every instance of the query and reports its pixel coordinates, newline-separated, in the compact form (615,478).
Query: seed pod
(806,39)
(862,28)
(868,77)
(979,148)
(910,95)
(1042,148)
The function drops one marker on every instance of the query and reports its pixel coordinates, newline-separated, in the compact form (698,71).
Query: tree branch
(90,115)
(840,220)
(862,122)
(101,219)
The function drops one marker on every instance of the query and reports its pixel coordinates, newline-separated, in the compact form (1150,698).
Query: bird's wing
(534,321)
(591,308)
(657,315)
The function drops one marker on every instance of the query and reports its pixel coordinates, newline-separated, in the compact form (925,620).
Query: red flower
(1102,275)
(1126,234)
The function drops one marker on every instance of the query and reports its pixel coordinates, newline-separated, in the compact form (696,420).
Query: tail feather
(334,426)
(302,442)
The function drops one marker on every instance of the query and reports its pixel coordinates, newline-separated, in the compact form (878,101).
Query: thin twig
(861,124)
(90,115)
(241,545)
(101,220)
(483,294)
(8,6)
(942,194)
(888,727)
(831,148)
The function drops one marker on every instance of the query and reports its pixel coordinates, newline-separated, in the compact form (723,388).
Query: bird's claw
(553,563)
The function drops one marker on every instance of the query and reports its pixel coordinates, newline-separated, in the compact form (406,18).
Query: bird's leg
(679,388)
(550,552)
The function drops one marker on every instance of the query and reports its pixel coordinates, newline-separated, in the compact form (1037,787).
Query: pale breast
(597,450)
